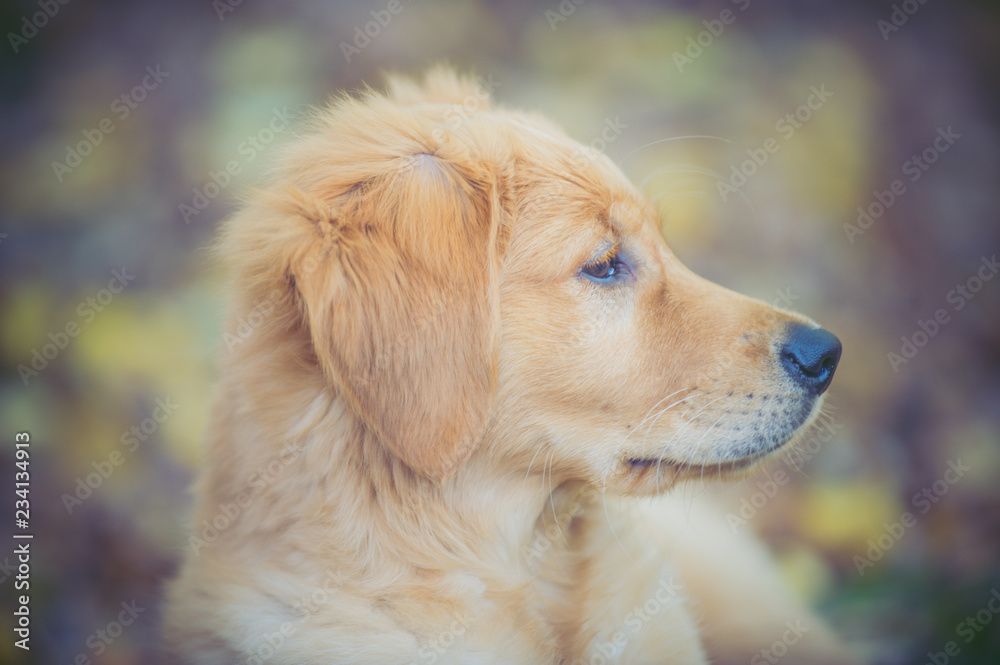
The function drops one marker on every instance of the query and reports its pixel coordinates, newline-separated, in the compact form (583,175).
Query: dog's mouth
(680,471)
(737,459)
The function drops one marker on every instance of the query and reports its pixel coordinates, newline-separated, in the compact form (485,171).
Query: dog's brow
(607,251)
(617,228)
(624,220)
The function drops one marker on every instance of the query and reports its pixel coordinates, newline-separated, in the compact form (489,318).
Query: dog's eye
(606,269)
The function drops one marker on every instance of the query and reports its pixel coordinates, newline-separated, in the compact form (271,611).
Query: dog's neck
(481,515)
(349,481)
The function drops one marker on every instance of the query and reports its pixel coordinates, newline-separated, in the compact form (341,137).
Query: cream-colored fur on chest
(319,567)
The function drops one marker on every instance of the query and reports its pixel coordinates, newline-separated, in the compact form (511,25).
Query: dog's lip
(719,468)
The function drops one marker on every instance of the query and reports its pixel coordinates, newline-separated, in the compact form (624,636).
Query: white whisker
(674,138)
(552,500)
(676,434)
(517,534)
(604,480)
(679,168)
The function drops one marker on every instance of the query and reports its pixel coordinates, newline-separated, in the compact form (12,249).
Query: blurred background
(839,159)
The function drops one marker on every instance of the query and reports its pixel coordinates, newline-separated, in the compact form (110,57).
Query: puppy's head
(472,281)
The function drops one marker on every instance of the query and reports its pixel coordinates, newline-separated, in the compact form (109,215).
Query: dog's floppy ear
(396,284)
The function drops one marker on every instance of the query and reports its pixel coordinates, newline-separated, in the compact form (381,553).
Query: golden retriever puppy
(460,357)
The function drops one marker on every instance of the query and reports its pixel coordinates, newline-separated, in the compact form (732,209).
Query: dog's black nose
(810,356)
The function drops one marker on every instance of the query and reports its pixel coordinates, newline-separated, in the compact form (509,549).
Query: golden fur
(432,428)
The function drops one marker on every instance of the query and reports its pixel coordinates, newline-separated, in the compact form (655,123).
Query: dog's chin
(642,475)
(648,477)
(652,475)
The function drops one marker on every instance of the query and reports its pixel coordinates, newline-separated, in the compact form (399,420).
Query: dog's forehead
(587,191)
(560,166)
(553,180)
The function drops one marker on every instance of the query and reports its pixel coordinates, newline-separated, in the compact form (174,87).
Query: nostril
(810,356)
(826,364)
